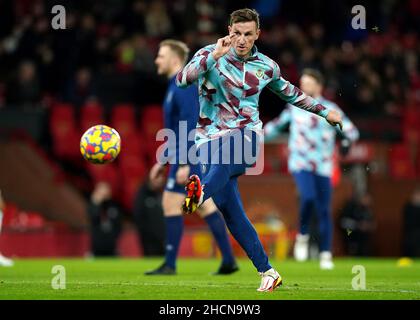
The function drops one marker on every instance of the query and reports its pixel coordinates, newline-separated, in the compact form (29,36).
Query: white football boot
(325,260)
(270,280)
(5,262)
(301,248)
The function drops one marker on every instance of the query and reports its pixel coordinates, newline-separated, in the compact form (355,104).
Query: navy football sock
(174,229)
(218,228)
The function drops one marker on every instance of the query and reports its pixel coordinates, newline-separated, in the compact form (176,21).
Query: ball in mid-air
(100,144)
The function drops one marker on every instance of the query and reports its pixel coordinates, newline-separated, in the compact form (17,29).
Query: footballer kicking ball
(100,144)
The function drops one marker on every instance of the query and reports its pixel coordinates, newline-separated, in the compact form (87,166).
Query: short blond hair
(179,47)
(313,73)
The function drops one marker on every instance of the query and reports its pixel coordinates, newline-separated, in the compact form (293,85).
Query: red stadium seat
(131,165)
(130,188)
(91,114)
(400,164)
(418,165)
(62,110)
(123,111)
(64,131)
(31,220)
(151,121)
(133,173)
(411,116)
(153,111)
(411,125)
(11,212)
(16,218)
(123,119)
(133,144)
(107,173)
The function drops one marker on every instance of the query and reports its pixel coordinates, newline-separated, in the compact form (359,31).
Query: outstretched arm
(288,92)
(348,135)
(273,128)
(349,131)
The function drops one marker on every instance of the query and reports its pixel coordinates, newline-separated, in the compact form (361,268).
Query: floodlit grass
(124,279)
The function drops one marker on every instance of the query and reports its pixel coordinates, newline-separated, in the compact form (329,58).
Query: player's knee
(207,208)
(307,200)
(171,205)
(169,211)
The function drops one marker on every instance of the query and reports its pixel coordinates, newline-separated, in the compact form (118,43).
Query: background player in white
(311,150)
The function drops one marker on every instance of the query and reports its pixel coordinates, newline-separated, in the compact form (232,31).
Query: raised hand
(222,46)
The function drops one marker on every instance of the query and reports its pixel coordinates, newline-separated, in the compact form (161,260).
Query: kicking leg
(229,202)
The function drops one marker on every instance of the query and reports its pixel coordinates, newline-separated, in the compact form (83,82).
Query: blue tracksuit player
(181,107)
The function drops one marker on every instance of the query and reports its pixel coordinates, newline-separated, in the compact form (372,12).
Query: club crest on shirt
(259,73)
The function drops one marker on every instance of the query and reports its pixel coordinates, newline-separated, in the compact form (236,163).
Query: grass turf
(124,279)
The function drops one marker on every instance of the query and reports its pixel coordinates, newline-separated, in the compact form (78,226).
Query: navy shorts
(225,151)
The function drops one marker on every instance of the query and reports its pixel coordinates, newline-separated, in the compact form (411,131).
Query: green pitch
(124,279)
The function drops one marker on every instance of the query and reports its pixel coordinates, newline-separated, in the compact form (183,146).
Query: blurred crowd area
(108,48)
(100,69)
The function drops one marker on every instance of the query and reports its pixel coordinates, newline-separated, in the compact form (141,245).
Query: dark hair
(313,73)
(179,47)
(245,15)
